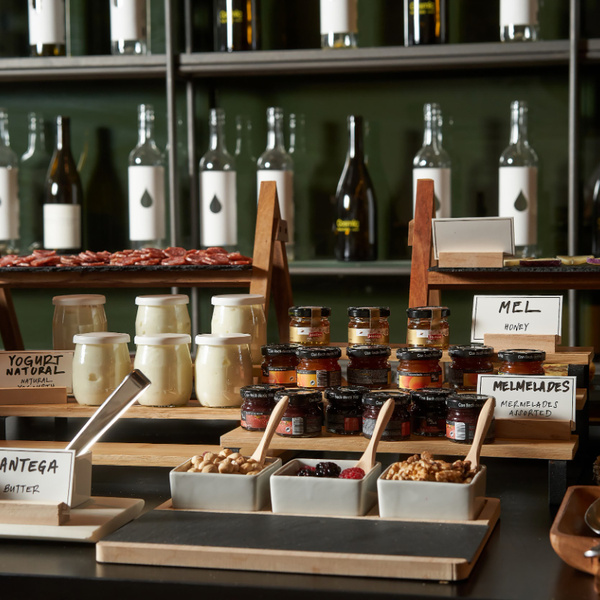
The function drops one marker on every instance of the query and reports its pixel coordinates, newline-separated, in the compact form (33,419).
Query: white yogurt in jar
(100,363)
(223,367)
(165,360)
(241,313)
(74,314)
(162,313)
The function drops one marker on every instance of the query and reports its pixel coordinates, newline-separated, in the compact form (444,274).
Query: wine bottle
(519,20)
(518,182)
(218,203)
(355,226)
(9,191)
(32,176)
(63,196)
(339,23)
(433,162)
(236,25)
(425,22)
(146,175)
(47,28)
(275,164)
(128,27)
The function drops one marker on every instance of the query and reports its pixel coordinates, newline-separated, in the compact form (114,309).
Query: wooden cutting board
(263,541)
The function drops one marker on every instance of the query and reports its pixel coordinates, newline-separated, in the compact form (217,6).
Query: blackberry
(327,469)
(306,471)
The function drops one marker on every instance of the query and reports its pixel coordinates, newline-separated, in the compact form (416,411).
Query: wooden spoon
(367,460)
(483,424)
(260,454)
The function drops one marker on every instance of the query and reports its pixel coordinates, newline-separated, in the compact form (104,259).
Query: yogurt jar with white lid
(74,314)
(164,358)
(241,313)
(100,363)
(162,313)
(223,367)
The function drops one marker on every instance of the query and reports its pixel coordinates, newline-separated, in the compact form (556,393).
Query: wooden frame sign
(514,315)
(531,396)
(36,369)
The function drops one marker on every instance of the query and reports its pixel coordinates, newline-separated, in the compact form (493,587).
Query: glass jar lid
(347,394)
(309,311)
(101,337)
(299,397)
(431,394)
(162,339)
(213,339)
(460,401)
(381,397)
(162,300)
(237,299)
(427,312)
(467,351)
(365,312)
(260,391)
(279,349)
(318,352)
(418,353)
(367,351)
(79,300)
(519,355)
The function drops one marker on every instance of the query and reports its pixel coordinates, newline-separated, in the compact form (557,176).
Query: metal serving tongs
(108,412)
(592,520)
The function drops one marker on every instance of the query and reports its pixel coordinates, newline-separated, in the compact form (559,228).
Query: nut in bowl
(212,482)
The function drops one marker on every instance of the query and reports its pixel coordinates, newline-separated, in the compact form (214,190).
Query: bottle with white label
(339,23)
(63,195)
(517,193)
(275,164)
(218,200)
(519,20)
(47,28)
(146,175)
(128,30)
(433,162)
(9,191)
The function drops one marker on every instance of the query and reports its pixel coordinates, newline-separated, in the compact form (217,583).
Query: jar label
(416,381)
(309,335)
(429,426)
(367,336)
(461,379)
(427,337)
(343,424)
(369,376)
(296,426)
(394,429)
(280,376)
(318,379)
(459,431)
(254,420)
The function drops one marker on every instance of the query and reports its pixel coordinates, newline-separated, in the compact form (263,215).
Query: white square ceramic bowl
(430,500)
(329,496)
(221,491)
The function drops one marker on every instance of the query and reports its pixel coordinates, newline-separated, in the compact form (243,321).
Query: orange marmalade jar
(468,362)
(318,368)
(279,364)
(521,362)
(309,325)
(428,326)
(419,368)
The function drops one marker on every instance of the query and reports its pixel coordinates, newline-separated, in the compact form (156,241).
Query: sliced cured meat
(173,251)
(216,250)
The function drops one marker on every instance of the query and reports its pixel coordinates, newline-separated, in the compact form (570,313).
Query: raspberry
(352,473)
(327,469)
(306,471)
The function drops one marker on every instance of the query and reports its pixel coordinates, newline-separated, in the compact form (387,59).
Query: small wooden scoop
(483,424)
(260,454)
(367,460)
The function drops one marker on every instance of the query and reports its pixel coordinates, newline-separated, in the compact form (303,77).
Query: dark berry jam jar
(304,414)
(318,368)
(463,412)
(398,427)
(368,325)
(419,368)
(521,362)
(309,325)
(279,364)
(258,403)
(428,326)
(428,411)
(369,366)
(343,413)
(468,362)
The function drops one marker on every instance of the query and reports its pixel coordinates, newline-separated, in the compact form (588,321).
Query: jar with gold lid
(428,326)
(309,325)
(368,325)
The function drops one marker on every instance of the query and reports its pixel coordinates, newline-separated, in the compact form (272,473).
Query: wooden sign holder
(506,341)
(482,260)
(39,395)
(34,513)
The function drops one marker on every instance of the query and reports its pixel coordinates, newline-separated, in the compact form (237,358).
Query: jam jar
(428,411)
(369,366)
(419,368)
(304,414)
(258,403)
(521,362)
(279,364)
(318,367)
(309,325)
(428,326)
(368,325)
(343,413)
(463,412)
(398,427)
(468,362)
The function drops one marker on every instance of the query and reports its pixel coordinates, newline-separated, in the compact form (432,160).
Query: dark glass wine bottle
(425,22)
(355,226)
(236,25)
(63,197)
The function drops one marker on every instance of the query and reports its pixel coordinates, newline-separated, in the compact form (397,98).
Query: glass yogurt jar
(76,313)
(162,313)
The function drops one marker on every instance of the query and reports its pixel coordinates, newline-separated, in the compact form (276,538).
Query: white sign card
(531,396)
(473,235)
(533,315)
(33,369)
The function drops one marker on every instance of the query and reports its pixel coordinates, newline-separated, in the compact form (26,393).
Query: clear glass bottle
(519,20)
(146,174)
(47,28)
(245,163)
(33,167)
(236,25)
(339,23)
(275,164)
(433,162)
(355,224)
(425,22)
(518,182)
(218,198)
(9,191)
(592,210)
(63,195)
(128,27)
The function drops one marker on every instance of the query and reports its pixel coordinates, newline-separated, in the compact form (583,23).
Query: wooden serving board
(263,541)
